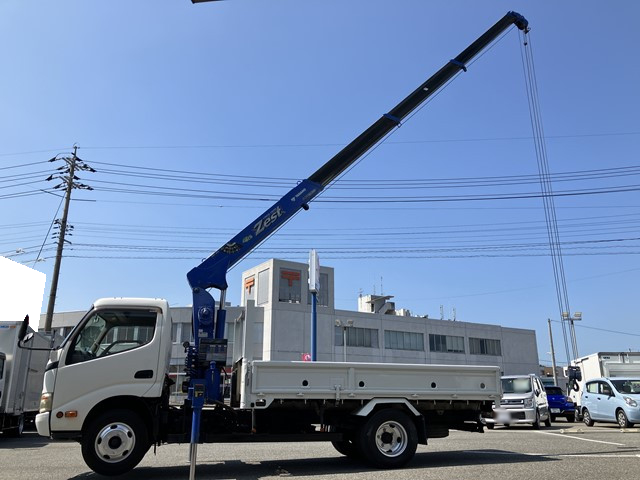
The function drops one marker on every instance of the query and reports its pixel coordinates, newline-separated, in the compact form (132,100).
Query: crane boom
(207,355)
(211,273)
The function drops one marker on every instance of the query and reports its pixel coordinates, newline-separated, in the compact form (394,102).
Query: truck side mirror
(574,373)
(22,333)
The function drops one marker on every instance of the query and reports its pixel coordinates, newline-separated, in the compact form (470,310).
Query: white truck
(21,377)
(602,364)
(107,384)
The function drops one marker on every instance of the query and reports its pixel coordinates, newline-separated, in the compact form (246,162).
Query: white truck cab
(524,400)
(90,367)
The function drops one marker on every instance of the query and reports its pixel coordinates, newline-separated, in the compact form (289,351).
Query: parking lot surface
(563,450)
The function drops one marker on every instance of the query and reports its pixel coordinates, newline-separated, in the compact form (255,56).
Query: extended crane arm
(207,356)
(211,273)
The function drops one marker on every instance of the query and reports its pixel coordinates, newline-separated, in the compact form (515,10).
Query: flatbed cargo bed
(278,380)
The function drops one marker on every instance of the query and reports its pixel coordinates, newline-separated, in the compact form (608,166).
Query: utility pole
(553,355)
(73,163)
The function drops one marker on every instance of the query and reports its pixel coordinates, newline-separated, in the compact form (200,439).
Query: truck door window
(108,332)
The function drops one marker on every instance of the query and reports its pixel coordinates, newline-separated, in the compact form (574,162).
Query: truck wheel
(346,448)
(547,422)
(388,439)
(622,419)
(114,442)
(571,418)
(586,418)
(16,431)
(553,419)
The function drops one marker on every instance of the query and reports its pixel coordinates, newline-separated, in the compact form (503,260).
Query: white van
(524,400)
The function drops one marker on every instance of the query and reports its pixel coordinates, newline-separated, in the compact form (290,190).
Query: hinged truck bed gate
(272,380)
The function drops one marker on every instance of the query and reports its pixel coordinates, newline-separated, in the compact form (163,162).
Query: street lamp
(345,325)
(566,317)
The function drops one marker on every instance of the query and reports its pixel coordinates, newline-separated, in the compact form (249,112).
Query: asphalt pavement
(518,452)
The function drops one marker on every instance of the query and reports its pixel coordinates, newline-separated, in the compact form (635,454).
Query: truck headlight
(528,403)
(45,402)
(630,401)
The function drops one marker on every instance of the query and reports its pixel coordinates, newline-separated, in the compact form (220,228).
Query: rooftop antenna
(441,312)
(381,289)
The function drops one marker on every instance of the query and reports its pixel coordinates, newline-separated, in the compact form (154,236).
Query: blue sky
(243,98)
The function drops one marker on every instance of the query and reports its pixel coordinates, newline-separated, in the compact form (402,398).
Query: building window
(290,289)
(446,343)
(403,340)
(185,333)
(174,332)
(484,346)
(357,337)
(323,294)
(263,287)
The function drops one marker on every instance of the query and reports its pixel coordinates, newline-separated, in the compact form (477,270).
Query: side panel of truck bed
(363,381)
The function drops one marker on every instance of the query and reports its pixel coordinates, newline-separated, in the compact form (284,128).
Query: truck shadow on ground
(28,440)
(315,466)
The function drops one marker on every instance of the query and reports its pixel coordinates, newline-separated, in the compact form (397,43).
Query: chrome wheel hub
(115,442)
(391,439)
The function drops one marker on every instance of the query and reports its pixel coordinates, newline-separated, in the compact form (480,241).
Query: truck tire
(388,439)
(114,442)
(346,448)
(16,431)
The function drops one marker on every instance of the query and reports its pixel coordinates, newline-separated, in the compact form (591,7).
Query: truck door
(115,352)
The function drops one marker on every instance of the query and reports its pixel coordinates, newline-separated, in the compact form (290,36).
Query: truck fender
(374,402)
(420,424)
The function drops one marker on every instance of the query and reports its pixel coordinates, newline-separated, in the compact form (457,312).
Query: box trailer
(603,364)
(21,377)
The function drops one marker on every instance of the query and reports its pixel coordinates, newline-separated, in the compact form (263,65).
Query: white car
(524,400)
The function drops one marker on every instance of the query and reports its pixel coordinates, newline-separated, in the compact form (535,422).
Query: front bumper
(511,416)
(562,411)
(42,424)
(633,414)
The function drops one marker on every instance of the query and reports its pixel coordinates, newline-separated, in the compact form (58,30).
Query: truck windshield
(516,385)
(627,386)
